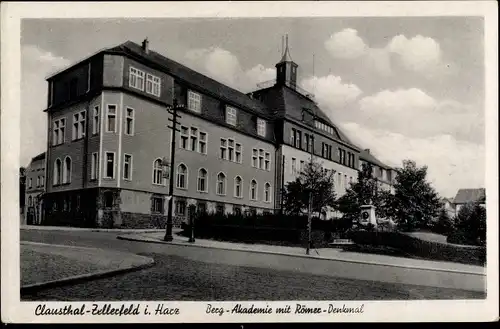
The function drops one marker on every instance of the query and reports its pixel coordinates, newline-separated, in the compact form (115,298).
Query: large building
(35,187)
(109,142)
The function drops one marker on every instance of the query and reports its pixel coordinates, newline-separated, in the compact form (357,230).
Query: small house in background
(468,195)
(35,187)
(448,206)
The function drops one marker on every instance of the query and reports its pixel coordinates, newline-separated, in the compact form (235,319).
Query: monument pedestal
(367,215)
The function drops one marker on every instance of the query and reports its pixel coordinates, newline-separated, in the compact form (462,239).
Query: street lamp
(172,110)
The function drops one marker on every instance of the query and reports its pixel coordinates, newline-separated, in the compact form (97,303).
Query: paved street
(187,273)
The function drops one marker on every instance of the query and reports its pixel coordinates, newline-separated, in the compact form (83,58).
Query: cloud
(346,44)
(416,114)
(36,65)
(418,54)
(332,90)
(452,163)
(225,67)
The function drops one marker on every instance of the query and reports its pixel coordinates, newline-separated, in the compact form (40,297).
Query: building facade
(109,143)
(35,187)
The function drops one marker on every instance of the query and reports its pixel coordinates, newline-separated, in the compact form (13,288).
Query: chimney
(145,45)
(367,151)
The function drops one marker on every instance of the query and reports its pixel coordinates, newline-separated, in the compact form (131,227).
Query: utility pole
(310,201)
(172,110)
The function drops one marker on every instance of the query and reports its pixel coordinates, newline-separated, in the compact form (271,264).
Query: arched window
(238,187)
(158,172)
(67,170)
(267,192)
(221,184)
(202,180)
(182,173)
(253,190)
(57,171)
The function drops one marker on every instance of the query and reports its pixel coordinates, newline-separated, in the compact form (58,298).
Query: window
(184,137)
(340,180)
(306,138)
(267,161)
(194,101)
(223,148)
(261,159)
(42,181)
(219,208)
(237,210)
(293,137)
(94,165)
(231,115)
(158,172)
(157,204)
(182,176)
(267,192)
(136,78)
(78,125)
(194,139)
(30,201)
(330,152)
(57,172)
(111,119)
(129,121)
(298,140)
(30,183)
(202,146)
(238,187)
(95,121)
(221,184)
(202,207)
(238,153)
(311,144)
(261,127)
(301,165)
(202,180)
(67,170)
(38,181)
(253,190)
(294,166)
(59,128)
(254,158)
(127,167)
(153,85)
(180,208)
(110,165)
(230,149)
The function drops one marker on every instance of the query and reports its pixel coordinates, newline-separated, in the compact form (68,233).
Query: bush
(420,248)
(444,224)
(471,225)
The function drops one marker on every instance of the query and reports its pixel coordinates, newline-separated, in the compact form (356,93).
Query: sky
(406,88)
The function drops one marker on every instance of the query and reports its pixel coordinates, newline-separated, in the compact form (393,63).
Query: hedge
(472,255)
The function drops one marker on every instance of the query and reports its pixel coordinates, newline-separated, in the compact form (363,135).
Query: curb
(150,240)
(30,288)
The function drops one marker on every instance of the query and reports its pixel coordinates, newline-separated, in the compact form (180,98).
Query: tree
(444,224)
(471,222)
(415,202)
(363,191)
(312,178)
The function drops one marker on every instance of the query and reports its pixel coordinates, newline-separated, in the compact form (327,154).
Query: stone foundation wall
(143,221)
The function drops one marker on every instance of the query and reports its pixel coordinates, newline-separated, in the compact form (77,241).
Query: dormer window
(261,127)
(231,114)
(136,78)
(194,101)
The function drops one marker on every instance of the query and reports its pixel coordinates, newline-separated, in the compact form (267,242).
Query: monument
(367,215)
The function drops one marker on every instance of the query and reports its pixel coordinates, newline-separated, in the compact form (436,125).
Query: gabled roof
(368,157)
(191,77)
(40,156)
(466,195)
(289,103)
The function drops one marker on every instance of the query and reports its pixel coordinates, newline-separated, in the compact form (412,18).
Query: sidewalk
(68,228)
(322,253)
(45,265)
